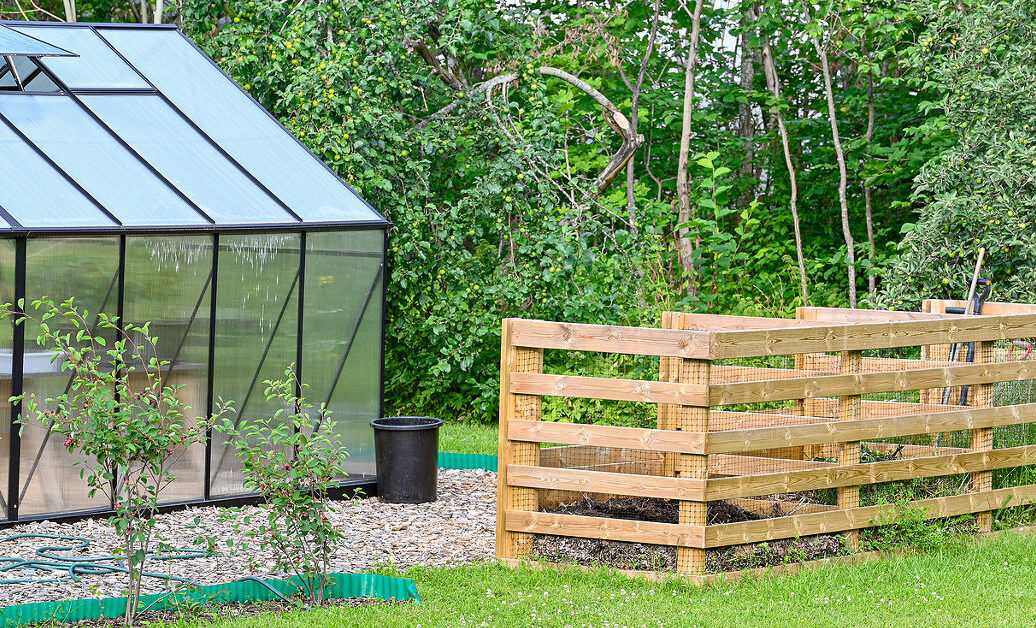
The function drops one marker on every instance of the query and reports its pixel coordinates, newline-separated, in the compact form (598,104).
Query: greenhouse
(141,180)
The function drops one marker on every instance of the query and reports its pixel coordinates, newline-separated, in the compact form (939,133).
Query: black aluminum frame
(365,484)
(295,224)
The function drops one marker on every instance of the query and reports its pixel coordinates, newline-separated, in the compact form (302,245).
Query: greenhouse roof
(141,131)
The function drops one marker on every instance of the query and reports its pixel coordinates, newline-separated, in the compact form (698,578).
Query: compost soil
(645,556)
(226,611)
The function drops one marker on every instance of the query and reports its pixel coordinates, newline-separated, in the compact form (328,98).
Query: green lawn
(468,438)
(968,583)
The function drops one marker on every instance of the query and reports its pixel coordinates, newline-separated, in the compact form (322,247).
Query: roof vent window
(22,74)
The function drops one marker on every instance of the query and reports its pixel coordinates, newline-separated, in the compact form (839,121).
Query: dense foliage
(494,190)
(982,191)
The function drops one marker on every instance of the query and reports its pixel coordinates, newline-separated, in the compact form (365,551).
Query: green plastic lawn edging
(448,460)
(344,585)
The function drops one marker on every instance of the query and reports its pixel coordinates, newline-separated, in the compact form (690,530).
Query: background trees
(552,159)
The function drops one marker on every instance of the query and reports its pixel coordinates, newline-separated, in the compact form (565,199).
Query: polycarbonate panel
(86,268)
(343,284)
(44,199)
(159,135)
(6,332)
(14,43)
(97,65)
(256,324)
(167,284)
(227,115)
(96,161)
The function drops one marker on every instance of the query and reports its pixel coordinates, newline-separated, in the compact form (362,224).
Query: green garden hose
(52,561)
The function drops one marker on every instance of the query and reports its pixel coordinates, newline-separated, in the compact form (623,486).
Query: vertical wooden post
(666,411)
(691,419)
(981,396)
(807,407)
(515,407)
(849,453)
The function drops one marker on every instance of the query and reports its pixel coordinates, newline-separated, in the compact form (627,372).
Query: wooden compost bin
(767,414)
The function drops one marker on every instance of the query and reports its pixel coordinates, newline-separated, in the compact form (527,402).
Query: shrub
(130,431)
(291,459)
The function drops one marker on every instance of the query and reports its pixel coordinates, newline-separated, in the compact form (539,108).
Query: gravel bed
(457,528)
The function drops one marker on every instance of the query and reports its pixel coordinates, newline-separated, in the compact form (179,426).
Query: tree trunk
(746,118)
(70,10)
(159,10)
(872,283)
(842,175)
(683,188)
(774,85)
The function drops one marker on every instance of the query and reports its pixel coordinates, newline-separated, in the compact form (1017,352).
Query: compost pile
(645,556)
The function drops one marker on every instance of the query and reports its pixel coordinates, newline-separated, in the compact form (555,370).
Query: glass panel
(41,83)
(160,135)
(167,284)
(343,282)
(86,268)
(14,43)
(256,324)
(227,115)
(97,64)
(22,196)
(6,296)
(92,157)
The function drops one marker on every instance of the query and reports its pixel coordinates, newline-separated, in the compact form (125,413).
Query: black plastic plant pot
(406,450)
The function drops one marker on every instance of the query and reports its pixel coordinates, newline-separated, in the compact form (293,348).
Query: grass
(468,438)
(984,582)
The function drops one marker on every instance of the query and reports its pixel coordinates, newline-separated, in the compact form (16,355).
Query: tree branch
(631,140)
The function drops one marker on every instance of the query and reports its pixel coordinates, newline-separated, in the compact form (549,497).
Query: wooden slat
(869,473)
(989,308)
(607,529)
(847,315)
(823,362)
(716,322)
(792,340)
(611,389)
(610,339)
(865,429)
(914,451)
(857,518)
(721,374)
(723,420)
(723,464)
(864,383)
(603,482)
(607,436)
(765,507)
(822,407)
